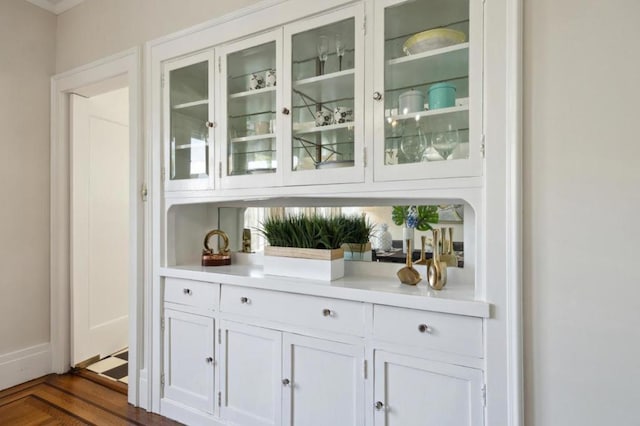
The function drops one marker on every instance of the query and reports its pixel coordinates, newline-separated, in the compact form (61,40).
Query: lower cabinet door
(188,359)
(411,391)
(250,368)
(323,382)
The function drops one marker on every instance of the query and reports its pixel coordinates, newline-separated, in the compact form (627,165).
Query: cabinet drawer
(191,293)
(431,330)
(297,309)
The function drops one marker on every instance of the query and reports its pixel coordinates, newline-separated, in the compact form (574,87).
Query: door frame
(126,66)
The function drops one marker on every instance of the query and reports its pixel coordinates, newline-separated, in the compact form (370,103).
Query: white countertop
(454,298)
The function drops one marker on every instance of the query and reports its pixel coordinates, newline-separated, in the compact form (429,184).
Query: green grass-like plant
(315,232)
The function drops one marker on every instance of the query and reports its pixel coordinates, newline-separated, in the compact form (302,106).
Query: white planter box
(322,265)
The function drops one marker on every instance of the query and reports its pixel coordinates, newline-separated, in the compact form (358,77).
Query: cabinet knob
(423,328)
(209,360)
(285,382)
(377,96)
(379,405)
(327,312)
(187,291)
(285,111)
(244,300)
(211,124)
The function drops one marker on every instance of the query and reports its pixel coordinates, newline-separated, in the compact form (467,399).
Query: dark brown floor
(72,399)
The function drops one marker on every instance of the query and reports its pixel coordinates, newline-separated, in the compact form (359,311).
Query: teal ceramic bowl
(441,95)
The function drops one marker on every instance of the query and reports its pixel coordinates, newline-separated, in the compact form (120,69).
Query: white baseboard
(143,390)
(24,365)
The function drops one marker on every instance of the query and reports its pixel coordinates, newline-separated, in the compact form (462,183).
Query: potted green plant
(305,246)
(357,244)
(412,218)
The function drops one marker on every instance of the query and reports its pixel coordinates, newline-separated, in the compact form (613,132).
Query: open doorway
(100,241)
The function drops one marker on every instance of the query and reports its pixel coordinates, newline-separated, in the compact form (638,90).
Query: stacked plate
(432,39)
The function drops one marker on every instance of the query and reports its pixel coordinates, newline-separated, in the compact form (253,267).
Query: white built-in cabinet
(288,107)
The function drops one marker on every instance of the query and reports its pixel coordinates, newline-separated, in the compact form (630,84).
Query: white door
(99,224)
(188,359)
(412,391)
(250,381)
(326,382)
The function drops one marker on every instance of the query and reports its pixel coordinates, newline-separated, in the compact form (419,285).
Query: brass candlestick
(408,275)
(437,271)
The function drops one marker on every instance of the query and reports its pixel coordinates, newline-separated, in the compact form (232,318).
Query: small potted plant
(357,244)
(412,218)
(305,246)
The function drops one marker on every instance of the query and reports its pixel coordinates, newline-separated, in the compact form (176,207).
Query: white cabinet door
(412,391)
(323,382)
(188,111)
(250,382)
(188,359)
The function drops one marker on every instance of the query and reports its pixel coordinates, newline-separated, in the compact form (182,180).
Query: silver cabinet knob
(211,124)
(379,405)
(377,96)
(327,312)
(209,360)
(244,300)
(285,382)
(187,291)
(423,328)
(286,111)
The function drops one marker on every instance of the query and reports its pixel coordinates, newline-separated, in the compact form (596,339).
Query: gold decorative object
(437,271)
(246,240)
(408,275)
(423,258)
(209,258)
(448,255)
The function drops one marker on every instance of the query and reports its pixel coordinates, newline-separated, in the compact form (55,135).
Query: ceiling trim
(56,7)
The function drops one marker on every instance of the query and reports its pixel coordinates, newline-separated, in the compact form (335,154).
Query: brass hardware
(285,382)
(244,300)
(187,291)
(285,111)
(209,360)
(437,271)
(423,259)
(379,405)
(327,312)
(377,96)
(423,328)
(408,275)
(448,257)
(209,258)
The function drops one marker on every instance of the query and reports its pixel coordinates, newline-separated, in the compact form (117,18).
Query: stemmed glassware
(340,49)
(445,141)
(323,51)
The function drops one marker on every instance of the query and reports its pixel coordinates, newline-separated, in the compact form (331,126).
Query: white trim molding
(56,7)
(127,64)
(24,365)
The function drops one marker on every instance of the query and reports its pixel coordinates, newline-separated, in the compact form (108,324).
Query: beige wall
(27,60)
(98,28)
(582,197)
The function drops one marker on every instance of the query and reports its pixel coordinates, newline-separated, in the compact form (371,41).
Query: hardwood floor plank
(23,386)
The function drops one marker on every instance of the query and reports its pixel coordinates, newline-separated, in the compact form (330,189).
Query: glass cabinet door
(249,83)
(428,93)
(188,108)
(324,107)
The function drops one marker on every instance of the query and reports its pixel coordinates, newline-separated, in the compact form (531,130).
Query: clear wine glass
(445,141)
(340,49)
(413,143)
(323,51)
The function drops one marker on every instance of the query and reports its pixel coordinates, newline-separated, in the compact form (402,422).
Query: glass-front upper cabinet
(250,83)
(188,123)
(427,89)
(323,98)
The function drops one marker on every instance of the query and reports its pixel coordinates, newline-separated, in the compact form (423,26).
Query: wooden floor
(72,399)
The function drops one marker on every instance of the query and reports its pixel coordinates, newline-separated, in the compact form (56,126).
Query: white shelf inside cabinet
(253,101)
(196,109)
(253,138)
(304,129)
(457,116)
(190,146)
(431,66)
(326,88)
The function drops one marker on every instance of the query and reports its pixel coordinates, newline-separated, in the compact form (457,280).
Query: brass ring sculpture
(225,250)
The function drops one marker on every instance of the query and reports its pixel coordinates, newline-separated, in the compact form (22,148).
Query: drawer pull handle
(327,312)
(423,328)
(379,405)
(187,291)
(209,360)
(244,300)
(285,382)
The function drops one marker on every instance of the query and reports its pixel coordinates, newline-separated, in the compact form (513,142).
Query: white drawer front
(309,311)
(431,330)
(191,293)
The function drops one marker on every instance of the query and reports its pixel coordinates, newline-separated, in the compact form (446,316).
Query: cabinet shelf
(308,128)
(251,101)
(326,88)
(196,109)
(190,146)
(438,64)
(456,113)
(254,138)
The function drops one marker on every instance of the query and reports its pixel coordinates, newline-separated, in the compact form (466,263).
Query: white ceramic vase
(407,234)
